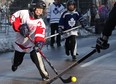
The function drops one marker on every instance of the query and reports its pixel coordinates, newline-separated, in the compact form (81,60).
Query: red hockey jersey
(36,27)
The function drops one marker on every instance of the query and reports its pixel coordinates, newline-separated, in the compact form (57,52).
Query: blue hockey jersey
(70,19)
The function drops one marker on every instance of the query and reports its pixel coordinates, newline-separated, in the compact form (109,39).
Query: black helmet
(38,4)
(71,2)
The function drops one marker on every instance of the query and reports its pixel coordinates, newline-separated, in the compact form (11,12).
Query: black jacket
(110,23)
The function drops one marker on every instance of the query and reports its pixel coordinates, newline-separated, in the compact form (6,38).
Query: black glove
(39,45)
(102,43)
(60,30)
(24,30)
(83,24)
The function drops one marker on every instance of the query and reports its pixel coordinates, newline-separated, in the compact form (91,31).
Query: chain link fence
(4,19)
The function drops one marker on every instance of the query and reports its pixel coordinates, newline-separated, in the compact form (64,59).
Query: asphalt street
(98,69)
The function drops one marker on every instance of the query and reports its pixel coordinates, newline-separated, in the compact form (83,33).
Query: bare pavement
(100,68)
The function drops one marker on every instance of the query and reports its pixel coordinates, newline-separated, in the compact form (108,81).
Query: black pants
(70,45)
(99,26)
(35,57)
(92,23)
(54,29)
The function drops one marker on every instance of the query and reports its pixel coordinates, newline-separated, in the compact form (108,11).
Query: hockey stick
(28,37)
(73,65)
(63,80)
(63,32)
(68,80)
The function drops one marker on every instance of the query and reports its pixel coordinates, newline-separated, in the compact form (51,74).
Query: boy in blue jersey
(68,20)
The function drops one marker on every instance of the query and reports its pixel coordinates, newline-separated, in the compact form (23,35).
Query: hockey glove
(60,30)
(39,45)
(84,25)
(102,43)
(24,30)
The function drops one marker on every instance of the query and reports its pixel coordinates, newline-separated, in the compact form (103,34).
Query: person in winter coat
(93,12)
(54,13)
(29,24)
(68,20)
(102,42)
(103,12)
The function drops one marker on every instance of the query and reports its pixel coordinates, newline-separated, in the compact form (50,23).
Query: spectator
(103,12)
(93,12)
(54,13)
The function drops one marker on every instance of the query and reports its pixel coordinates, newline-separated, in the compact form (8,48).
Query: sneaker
(14,68)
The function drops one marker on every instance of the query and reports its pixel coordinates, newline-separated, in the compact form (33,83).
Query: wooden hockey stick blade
(71,66)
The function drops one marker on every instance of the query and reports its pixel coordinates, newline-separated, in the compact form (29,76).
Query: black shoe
(14,68)
(67,52)
(77,54)
(74,58)
(58,45)
(52,46)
